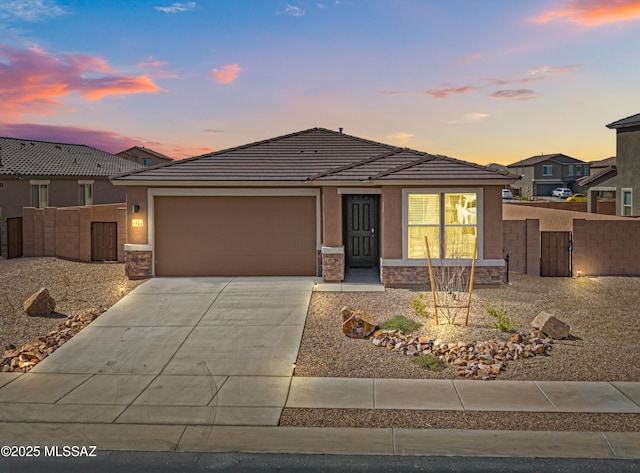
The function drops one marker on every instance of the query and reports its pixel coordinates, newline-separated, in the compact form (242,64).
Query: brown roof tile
(315,154)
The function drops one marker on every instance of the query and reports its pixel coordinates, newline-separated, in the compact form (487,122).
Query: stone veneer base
(138,264)
(332,267)
(419,275)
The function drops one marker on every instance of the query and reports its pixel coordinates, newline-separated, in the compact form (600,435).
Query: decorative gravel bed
(76,288)
(602,312)
(605,331)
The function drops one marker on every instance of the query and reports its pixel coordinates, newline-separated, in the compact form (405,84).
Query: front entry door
(361,230)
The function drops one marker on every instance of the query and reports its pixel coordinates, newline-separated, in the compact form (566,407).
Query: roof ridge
(53,143)
(354,165)
(402,167)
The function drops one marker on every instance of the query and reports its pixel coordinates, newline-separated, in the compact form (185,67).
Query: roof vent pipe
(340,130)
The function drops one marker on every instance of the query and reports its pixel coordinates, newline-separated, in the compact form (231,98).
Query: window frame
(479,225)
(146,162)
(82,193)
(544,170)
(624,205)
(571,168)
(37,187)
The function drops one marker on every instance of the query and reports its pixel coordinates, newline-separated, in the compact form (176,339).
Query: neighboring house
(44,174)
(315,202)
(601,196)
(144,156)
(541,174)
(626,179)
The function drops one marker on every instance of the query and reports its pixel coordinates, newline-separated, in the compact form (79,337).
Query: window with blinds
(450,233)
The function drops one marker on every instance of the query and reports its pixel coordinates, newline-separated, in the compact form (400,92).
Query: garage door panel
(233,236)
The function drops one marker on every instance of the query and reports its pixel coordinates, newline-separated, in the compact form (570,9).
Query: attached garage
(235,235)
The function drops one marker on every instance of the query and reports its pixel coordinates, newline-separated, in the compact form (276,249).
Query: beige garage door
(235,236)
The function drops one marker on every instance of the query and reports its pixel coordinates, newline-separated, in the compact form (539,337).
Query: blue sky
(485,81)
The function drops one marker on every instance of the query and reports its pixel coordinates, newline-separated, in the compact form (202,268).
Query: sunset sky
(484,81)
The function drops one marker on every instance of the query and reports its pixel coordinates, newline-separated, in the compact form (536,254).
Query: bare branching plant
(452,280)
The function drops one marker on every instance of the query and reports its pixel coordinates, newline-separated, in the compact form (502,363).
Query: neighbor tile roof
(316,154)
(599,177)
(130,152)
(556,157)
(43,158)
(603,163)
(624,122)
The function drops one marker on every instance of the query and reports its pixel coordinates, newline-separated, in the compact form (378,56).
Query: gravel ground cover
(76,288)
(603,314)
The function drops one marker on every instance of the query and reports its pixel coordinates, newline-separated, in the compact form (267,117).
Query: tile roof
(43,158)
(599,177)
(316,154)
(603,163)
(624,122)
(131,152)
(555,157)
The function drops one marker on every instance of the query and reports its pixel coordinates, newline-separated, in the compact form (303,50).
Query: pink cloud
(33,81)
(108,141)
(227,75)
(593,12)
(520,95)
(447,92)
(469,59)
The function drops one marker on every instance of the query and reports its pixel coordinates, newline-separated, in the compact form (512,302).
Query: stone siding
(333,267)
(138,264)
(419,275)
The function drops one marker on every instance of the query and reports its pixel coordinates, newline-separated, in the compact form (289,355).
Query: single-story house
(144,156)
(315,202)
(47,174)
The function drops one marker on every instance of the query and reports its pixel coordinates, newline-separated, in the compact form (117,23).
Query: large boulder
(549,325)
(357,323)
(40,304)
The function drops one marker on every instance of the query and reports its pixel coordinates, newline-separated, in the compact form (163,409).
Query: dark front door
(14,237)
(361,230)
(555,254)
(104,241)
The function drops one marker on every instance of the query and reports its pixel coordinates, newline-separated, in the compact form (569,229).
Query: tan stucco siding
(137,196)
(391,223)
(331,217)
(492,222)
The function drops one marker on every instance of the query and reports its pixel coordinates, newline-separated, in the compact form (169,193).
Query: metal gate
(14,237)
(104,241)
(555,254)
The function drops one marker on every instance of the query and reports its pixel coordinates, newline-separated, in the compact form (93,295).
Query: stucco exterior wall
(137,196)
(391,223)
(492,222)
(331,217)
(628,164)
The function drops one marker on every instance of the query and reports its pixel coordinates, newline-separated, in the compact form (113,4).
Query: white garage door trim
(245,192)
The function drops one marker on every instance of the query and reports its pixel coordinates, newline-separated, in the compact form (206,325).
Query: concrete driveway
(214,351)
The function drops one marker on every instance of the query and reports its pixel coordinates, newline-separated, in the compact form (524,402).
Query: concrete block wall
(521,242)
(606,247)
(66,232)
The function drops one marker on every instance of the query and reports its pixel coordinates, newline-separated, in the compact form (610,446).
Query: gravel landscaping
(603,346)
(602,313)
(76,288)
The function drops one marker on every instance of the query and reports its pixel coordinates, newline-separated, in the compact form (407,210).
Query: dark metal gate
(104,241)
(555,254)
(14,237)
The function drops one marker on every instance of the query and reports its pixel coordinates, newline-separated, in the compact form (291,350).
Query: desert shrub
(428,362)
(500,319)
(400,323)
(419,304)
